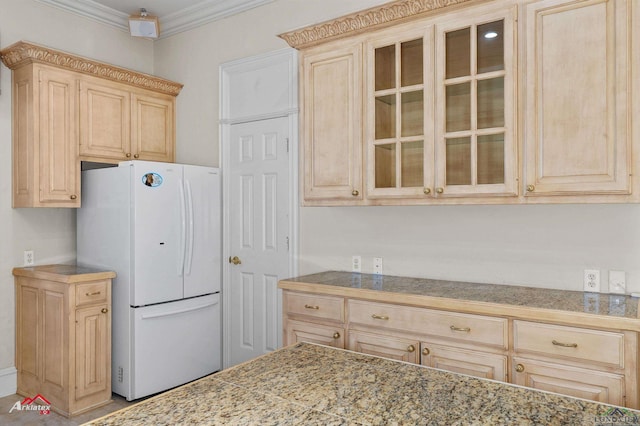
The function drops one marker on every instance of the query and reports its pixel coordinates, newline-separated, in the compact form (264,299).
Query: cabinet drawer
(570,342)
(327,307)
(88,293)
(464,327)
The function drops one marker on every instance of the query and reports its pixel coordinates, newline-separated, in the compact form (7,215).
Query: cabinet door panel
(577,117)
(105,113)
(464,361)
(386,346)
(332,157)
(299,331)
(59,165)
(152,127)
(92,349)
(577,382)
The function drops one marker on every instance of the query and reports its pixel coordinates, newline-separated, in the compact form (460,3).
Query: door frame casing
(253,67)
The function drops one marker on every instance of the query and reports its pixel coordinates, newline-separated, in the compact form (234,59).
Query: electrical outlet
(377,265)
(29,259)
(592,280)
(617,282)
(356,264)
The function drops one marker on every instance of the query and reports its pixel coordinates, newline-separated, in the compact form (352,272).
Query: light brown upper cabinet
(490,102)
(578,91)
(331,151)
(46,172)
(67,109)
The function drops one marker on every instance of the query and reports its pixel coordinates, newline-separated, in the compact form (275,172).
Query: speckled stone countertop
(618,311)
(317,385)
(63,273)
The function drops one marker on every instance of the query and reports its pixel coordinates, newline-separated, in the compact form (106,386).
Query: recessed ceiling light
(490,34)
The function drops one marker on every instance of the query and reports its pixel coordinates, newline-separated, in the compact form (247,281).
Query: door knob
(235,260)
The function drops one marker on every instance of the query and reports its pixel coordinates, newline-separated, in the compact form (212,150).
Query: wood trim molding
(23,52)
(364,20)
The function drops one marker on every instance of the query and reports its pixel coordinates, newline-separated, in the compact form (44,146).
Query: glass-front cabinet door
(399,105)
(475,107)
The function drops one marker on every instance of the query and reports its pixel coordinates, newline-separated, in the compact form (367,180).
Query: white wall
(49,232)
(545,246)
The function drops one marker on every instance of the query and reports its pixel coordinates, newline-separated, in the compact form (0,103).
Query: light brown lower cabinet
(63,337)
(595,364)
(579,382)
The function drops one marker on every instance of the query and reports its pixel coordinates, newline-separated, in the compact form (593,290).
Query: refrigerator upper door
(159,222)
(202,272)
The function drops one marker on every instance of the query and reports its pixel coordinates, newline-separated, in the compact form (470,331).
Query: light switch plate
(617,282)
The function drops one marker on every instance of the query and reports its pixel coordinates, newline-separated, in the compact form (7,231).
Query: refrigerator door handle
(183,229)
(179,311)
(190,235)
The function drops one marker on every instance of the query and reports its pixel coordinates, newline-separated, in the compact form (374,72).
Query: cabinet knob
(427,191)
(439,190)
(128,155)
(519,368)
(73,196)
(104,310)
(136,156)
(425,351)
(336,335)
(411,348)
(531,188)
(355,192)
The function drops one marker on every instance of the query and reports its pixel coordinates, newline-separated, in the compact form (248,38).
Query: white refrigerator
(158,226)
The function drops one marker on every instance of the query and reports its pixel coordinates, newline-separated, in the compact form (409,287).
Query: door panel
(259,227)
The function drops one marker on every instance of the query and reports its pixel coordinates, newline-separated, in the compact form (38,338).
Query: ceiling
(175,15)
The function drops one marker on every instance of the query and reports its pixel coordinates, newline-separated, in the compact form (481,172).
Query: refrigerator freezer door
(159,231)
(175,343)
(202,274)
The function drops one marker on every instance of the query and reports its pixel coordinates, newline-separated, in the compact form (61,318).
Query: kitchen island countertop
(317,385)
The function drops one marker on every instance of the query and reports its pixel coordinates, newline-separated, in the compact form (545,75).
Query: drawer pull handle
(425,351)
(312,307)
(519,368)
(411,348)
(95,293)
(336,335)
(564,345)
(380,317)
(464,329)
(104,310)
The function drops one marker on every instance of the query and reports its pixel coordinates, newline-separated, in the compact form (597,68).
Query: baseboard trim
(8,381)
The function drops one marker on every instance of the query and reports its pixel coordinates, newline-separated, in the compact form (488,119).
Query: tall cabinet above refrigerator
(158,226)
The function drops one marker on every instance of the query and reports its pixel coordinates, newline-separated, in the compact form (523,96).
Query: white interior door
(259,206)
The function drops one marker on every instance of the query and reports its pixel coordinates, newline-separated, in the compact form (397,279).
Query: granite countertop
(317,385)
(63,273)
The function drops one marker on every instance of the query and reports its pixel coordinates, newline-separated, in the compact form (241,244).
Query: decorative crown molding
(23,52)
(365,20)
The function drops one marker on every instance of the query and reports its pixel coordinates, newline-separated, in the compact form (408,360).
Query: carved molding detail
(364,20)
(23,52)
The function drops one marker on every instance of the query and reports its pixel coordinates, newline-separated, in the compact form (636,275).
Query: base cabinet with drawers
(63,336)
(595,364)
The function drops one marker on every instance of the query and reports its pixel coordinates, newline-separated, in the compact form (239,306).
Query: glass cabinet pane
(385,116)
(385,67)
(412,113)
(491,103)
(458,161)
(458,107)
(491,159)
(385,166)
(458,53)
(490,55)
(412,164)
(411,63)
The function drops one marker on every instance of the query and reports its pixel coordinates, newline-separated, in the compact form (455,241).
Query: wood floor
(24,418)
